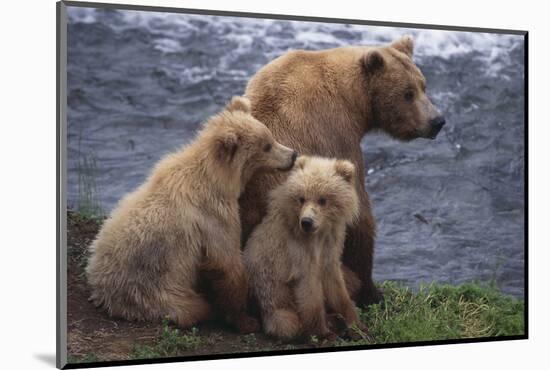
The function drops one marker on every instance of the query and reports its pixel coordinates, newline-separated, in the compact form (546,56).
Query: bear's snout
(307,224)
(293,158)
(290,164)
(436,124)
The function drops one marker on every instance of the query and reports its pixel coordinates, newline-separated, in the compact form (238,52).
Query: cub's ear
(405,45)
(372,62)
(226,146)
(239,103)
(345,169)
(301,161)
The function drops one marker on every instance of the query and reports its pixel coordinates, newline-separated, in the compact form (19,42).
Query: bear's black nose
(307,224)
(294,156)
(437,122)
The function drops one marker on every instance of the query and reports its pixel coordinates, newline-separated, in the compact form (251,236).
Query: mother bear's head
(397,92)
(322,100)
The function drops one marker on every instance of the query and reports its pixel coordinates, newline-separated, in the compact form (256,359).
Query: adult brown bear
(323,103)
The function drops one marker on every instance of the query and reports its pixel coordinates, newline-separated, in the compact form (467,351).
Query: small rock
(421,218)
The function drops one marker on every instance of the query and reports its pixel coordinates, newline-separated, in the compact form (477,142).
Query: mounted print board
(236,184)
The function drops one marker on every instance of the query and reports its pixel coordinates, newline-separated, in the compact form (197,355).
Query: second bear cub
(294,256)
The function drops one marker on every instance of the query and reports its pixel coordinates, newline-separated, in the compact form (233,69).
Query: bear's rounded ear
(239,103)
(345,169)
(405,45)
(301,161)
(372,62)
(226,146)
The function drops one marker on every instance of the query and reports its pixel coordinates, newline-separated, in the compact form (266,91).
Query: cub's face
(399,103)
(262,151)
(318,195)
(246,143)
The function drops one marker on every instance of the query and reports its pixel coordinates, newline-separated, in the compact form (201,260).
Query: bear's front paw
(337,323)
(247,325)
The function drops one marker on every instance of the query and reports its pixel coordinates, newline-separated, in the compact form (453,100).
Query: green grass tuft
(171,342)
(89,202)
(438,312)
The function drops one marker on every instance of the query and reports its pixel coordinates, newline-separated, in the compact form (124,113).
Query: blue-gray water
(449,210)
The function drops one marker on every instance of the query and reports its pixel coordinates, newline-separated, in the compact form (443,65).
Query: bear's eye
(302,200)
(322,201)
(267,147)
(409,95)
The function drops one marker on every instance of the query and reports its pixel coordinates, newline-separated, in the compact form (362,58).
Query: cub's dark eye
(302,200)
(322,201)
(409,95)
(267,147)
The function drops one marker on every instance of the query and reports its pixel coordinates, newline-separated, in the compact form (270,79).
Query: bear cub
(149,256)
(294,256)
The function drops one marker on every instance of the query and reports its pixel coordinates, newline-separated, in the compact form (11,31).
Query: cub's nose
(294,156)
(307,224)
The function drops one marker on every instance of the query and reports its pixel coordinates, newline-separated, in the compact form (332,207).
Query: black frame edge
(289,352)
(58,363)
(289,17)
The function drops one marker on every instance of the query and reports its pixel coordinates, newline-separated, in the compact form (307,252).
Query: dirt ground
(94,336)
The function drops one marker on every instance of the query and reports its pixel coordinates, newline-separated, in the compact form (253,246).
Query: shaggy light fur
(182,221)
(295,271)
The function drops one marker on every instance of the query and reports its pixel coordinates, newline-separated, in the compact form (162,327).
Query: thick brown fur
(294,271)
(323,103)
(146,259)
